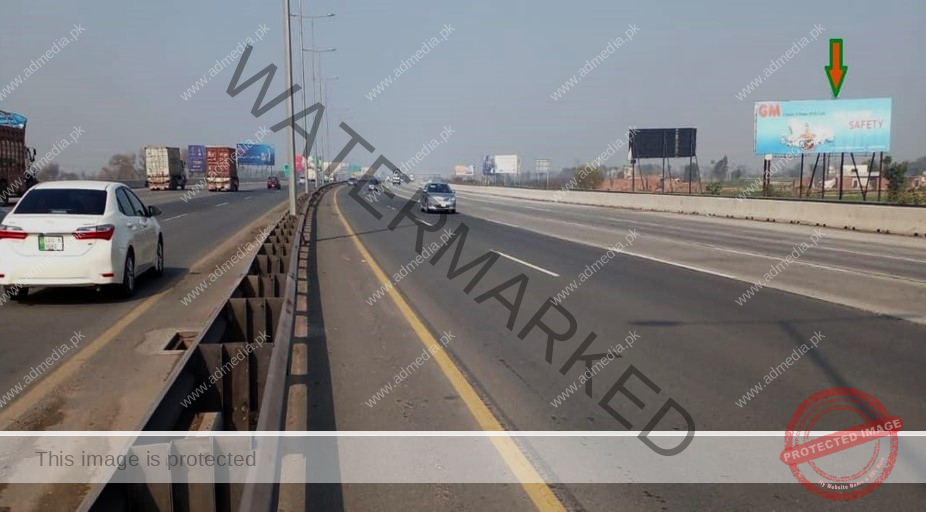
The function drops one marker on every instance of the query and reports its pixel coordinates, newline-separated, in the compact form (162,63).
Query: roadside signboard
(823,126)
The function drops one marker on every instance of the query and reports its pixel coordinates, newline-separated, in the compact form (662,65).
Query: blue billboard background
(256,154)
(827,126)
(196,156)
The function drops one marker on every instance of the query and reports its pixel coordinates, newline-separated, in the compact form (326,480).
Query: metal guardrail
(248,397)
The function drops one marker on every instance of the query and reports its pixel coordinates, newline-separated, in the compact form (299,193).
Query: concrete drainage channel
(246,353)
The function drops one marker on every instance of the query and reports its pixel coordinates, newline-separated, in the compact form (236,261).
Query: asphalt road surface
(695,342)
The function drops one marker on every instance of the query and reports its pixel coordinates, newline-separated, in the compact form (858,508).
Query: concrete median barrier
(879,218)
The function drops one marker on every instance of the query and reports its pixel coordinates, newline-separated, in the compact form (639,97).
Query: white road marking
(176,217)
(246,198)
(425,222)
(503,223)
(526,264)
(681,265)
(221,204)
(539,209)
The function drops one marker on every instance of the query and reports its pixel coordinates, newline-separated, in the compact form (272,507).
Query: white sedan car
(79,234)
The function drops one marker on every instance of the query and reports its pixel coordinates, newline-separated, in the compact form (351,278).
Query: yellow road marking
(539,492)
(45,386)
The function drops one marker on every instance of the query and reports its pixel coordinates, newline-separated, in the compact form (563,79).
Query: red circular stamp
(877,428)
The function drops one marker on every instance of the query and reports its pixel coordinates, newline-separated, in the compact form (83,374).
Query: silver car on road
(438,197)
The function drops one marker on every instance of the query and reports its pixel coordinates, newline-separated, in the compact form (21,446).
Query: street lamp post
(291,133)
(314,50)
(302,19)
(325,102)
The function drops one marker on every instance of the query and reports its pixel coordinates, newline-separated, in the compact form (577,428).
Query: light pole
(325,102)
(291,134)
(302,19)
(314,50)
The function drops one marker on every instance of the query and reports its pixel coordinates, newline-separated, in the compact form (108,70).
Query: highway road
(674,290)
(193,229)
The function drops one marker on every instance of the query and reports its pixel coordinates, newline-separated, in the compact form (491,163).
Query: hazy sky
(491,81)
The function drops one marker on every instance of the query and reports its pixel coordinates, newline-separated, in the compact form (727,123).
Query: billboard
(507,164)
(464,170)
(13,120)
(542,165)
(823,126)
(488,165)
(255,154)
(196,159)
(663,142)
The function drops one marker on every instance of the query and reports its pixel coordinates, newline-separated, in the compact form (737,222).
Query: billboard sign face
(824,126)
(662,142)
(459,170)
(256,154)
(542,165)
(488,165)
(196,156)
(507,164)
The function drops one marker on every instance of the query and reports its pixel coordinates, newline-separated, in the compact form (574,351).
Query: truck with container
(221,169)
(164,169)
(17,174)
(196,161)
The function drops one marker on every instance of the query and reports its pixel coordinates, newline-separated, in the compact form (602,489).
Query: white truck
(164,168)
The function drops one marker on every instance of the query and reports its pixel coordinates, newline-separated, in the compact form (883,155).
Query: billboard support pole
(857,177)
(813,174)
(800,190)
(698,171)
(665,152)
(766,165)
(842,162)
(823,182)
(880,172)
(633,175)
(690,174)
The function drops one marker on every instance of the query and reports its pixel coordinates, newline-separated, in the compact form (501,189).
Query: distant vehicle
(16,159)
(274,182)
(164,168)
(438,197)
(79,234)
(352,181)
(221,168)
(373,184)
(396,179)
(302,180)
